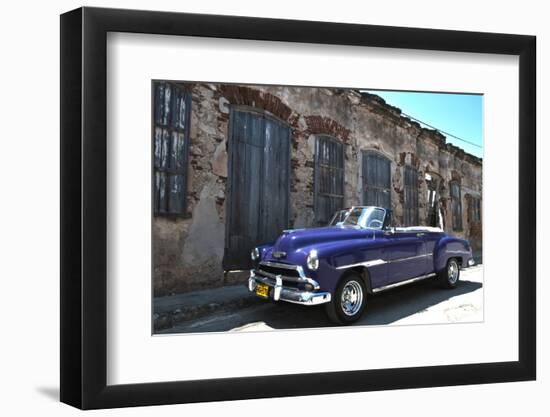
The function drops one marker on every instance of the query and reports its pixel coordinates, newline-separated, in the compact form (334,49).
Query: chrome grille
(273,270)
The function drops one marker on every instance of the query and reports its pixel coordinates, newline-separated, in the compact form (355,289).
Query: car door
(405,255)
(431,239)
(375,255)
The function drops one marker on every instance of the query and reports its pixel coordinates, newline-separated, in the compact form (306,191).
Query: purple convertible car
(340,266)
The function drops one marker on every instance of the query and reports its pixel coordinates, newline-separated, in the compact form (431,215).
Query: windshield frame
(338,214)
(365,213)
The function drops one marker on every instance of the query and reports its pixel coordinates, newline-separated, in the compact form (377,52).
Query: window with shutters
(329,178)
(476,209)
(410,203)
(456,205)
(171,114)
(376,180)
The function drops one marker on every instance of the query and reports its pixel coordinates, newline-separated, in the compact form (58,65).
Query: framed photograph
(257,208)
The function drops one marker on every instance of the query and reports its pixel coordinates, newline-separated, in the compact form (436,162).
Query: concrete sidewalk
(173,309)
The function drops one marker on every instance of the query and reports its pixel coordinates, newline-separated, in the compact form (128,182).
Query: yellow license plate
(262,290)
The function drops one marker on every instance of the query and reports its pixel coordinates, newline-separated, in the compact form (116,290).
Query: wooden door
(258,175)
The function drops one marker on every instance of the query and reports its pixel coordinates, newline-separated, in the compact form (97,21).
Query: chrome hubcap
(452,272)
(352,298)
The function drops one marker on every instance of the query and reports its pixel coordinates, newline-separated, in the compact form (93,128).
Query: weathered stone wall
(188,251)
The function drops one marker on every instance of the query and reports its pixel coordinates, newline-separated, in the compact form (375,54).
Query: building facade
(237,164)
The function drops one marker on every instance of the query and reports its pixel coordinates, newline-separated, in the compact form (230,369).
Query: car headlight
(312,260)
(255,254)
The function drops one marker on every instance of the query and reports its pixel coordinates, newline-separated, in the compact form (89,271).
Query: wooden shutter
(376,180)
(456,205)
(410,206)
(276,180)
(170,143)
(328,178)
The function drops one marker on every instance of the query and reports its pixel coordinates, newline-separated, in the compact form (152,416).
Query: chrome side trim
(381,261)
(398,284)
(410,257)
(367,264)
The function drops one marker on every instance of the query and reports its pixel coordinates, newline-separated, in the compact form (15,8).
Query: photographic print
(258,207)
(284,207)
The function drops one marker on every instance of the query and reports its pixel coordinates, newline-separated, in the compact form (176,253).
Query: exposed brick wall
(242,95)
(324,125)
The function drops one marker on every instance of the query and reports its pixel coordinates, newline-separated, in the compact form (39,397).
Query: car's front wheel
(349,301)
(450,275)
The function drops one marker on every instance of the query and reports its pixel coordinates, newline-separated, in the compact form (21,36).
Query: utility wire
(442,131)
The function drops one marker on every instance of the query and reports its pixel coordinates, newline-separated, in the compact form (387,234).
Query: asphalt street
(417,303)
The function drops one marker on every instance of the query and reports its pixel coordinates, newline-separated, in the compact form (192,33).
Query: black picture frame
(84,207)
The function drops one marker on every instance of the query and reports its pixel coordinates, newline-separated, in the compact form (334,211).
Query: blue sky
(457,114)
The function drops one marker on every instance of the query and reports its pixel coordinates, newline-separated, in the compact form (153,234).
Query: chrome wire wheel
(352,298)
(452,271)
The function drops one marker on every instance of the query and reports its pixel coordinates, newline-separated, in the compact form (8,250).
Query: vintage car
(341,266)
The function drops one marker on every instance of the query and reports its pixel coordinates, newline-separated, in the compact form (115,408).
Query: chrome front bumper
(288,294)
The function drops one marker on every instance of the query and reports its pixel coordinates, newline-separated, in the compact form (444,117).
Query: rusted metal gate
(376,180)
(329,178)
(259,171)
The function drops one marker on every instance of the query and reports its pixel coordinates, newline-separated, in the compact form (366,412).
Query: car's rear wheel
(349,301)
(449,277)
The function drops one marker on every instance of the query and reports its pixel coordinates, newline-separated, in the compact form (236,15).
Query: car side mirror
(389,231)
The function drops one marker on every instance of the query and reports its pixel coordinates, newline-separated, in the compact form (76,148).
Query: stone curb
(167,319)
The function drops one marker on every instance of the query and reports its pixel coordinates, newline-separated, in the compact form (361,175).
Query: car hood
(293,240)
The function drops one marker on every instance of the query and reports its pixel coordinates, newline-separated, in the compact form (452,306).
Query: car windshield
(372,217)
(338,217)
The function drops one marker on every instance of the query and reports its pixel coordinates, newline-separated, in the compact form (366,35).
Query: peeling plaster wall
(188,251)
